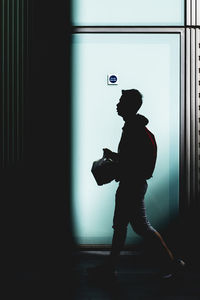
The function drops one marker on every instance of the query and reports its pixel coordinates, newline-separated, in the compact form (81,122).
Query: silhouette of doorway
(149,62)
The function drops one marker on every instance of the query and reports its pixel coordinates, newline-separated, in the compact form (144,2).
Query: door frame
(185,118)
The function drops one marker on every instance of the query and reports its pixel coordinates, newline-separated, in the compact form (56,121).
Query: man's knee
(143,230)
(120,227)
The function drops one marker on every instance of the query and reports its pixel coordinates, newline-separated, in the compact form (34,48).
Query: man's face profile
(121,106)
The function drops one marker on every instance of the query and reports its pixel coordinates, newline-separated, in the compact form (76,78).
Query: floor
(137,279)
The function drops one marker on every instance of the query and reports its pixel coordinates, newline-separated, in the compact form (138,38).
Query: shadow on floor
(137,279)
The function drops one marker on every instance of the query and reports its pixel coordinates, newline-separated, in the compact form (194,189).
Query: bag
(104,170)
(150,154)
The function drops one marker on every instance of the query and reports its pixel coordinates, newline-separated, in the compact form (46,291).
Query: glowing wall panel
(128,12)
(151,64)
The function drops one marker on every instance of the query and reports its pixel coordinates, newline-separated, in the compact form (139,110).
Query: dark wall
(49,94)
(36,193)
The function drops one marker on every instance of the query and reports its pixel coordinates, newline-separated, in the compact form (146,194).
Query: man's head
(129,103)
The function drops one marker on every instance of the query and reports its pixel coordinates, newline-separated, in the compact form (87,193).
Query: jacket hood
(137,121)
(143,121)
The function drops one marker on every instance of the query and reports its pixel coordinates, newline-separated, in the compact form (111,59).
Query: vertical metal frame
(182,141)
(14,49)
(192,25)
(197,112)
(187,119)
(192,8)
(192,112)
(198,12)
(198,107)
(192,115)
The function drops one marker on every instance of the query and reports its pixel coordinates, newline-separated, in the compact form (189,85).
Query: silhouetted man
(136,159)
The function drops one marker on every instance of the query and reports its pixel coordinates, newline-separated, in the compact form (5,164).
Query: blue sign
(113,79)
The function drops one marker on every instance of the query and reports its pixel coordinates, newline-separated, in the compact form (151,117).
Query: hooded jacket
(137,151)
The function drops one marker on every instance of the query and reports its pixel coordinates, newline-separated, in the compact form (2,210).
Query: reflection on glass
(149,63)
(128,12)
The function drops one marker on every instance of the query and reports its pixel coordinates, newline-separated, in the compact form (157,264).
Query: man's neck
(129,118)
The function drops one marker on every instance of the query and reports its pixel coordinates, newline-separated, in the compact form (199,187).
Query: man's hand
(107,153)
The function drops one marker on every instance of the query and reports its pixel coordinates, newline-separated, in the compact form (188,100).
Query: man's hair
(134,99)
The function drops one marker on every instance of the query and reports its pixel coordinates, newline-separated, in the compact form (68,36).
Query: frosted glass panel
(149,63)
(128,12)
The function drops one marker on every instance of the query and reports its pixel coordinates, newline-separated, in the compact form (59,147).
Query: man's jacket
(137,151)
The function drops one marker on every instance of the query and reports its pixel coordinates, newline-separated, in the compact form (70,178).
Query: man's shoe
(179,265)
(176,267)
